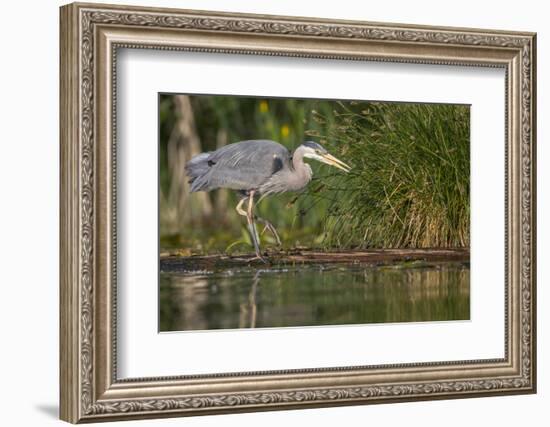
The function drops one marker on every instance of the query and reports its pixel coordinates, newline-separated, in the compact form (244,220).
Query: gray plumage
(261,165)
(257,168)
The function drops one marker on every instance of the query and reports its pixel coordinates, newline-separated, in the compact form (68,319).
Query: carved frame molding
(90,37)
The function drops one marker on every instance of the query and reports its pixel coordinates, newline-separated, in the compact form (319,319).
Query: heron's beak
(333,161)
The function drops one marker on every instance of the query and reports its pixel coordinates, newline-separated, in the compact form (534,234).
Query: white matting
(142,351)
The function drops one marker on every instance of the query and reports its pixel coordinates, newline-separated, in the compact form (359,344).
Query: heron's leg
(270,227)
(239,208)
(252,227)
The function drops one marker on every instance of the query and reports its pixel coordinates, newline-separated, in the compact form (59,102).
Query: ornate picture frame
(90,37)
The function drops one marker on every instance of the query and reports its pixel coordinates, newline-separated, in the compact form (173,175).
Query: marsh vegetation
(409,186)
(408,189)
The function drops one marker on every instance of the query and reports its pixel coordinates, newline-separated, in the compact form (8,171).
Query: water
(327,294)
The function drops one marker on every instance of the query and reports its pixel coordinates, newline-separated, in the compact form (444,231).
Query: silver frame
(90,37)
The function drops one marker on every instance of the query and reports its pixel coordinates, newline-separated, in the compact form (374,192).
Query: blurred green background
(409,186)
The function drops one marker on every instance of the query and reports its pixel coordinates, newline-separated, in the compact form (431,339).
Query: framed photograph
(266,212)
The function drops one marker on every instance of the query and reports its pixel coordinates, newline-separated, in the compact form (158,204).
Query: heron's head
(313,150)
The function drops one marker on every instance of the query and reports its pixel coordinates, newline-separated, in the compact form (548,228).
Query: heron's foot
(272,230)
(258,257)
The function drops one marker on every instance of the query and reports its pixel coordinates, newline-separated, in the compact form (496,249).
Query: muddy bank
(169,262)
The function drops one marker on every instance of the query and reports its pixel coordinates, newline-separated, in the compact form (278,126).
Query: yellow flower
(264,107)
(285,130)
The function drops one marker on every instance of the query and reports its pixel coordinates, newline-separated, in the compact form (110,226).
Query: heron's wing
(244,165)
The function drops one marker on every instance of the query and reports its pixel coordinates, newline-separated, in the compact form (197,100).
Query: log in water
(172,262)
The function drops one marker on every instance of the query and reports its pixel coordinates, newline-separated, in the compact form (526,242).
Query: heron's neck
(301,169)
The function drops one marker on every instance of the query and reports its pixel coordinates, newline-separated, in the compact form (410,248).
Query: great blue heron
(257,168)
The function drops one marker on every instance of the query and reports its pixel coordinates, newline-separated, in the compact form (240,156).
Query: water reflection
(331,294)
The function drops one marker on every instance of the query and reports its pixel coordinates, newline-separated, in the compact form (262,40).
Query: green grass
(410,182)
(409,186)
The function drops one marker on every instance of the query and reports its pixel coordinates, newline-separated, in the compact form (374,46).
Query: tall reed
(410,183)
